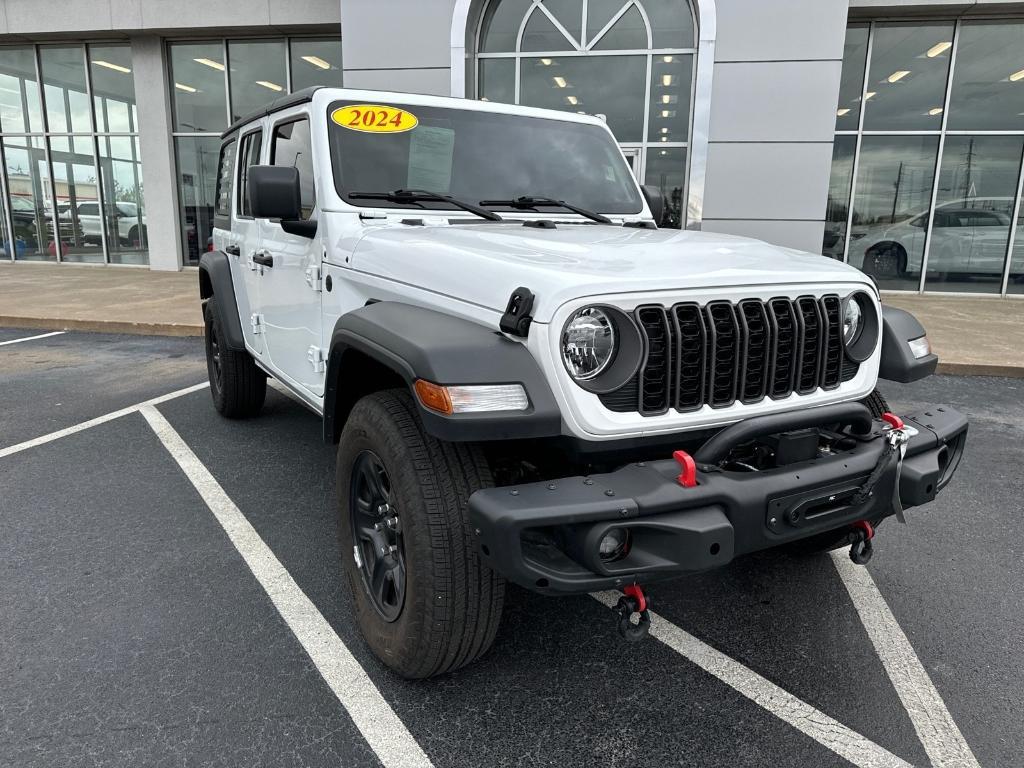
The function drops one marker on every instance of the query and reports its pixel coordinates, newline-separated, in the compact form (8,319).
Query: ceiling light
(938,48)
(898,75)
(546,62)
(270,85)
(664,152)
(185,88)
(664,130)
(210,63)
(1018,75)
(108,65)
(572,100)
(666,80)
(935,111)
(316,61)
(664,138)
(667,59)
(559,81)
(868,95)
(668,113)
(841,112)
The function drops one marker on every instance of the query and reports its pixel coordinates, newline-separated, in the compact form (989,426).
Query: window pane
(907,79)
(19,92)
(851,85)
(252,144)
(628,33)
(125,215)
(666,170)
(257,75)
(612,86)
(31,207)
(64,91)
(200,103)
(569,14)
(890,209)
(113,87)
(316,62)
(838,205)
(293,148)
(501,25)
(973,211)
(988,83)
(498,80)
(1016,283)
(540,34)
(599,13)
(74,182)
(671,23)
(225,178)
(197,181)
(670,98)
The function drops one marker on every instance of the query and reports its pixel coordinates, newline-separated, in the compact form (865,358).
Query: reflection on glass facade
(630,61)
(924,194)
(217,82)
(56,154)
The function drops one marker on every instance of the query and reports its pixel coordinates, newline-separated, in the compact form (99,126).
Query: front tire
(238,387)
(424,601)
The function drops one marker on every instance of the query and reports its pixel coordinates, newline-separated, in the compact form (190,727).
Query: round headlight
(852,316)
(588,343)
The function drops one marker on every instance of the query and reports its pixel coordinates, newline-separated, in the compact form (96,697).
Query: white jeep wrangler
(528,380)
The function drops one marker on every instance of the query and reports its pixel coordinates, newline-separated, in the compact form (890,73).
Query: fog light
(920,347)
(614,545)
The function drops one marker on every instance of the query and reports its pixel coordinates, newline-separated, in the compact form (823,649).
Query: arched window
(631,61)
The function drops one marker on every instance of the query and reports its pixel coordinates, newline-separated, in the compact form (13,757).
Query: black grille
(723,352)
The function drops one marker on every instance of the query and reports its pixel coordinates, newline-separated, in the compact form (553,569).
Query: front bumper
(545,536)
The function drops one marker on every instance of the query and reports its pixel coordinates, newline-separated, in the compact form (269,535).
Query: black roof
(283,102)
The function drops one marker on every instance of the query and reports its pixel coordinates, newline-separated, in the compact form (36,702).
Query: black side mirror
(274,192)
(654,201)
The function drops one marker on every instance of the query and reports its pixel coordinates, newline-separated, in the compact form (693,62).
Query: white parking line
(372,715)
(939,735)
(98,420)
(827,731)
(31,338)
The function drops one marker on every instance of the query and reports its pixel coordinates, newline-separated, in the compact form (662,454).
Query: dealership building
(888,134)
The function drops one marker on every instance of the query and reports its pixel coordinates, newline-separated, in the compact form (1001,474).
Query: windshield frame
(636,207)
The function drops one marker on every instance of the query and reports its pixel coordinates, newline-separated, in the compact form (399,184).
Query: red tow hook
(633,603)
(688,469)
(892,420)
(863,532)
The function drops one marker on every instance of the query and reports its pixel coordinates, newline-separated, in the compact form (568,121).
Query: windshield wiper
(424,196)
(521,203)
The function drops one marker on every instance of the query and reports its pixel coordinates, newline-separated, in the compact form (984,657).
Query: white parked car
(527,379)
(131,223)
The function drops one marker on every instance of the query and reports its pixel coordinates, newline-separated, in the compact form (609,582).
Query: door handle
(232,249)
(263,258)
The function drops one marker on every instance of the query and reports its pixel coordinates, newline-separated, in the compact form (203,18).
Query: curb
(980,369)
(103,326)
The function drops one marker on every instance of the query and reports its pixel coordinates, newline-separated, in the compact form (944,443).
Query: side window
(89,209)
(248,157)
(292,146)
(225,172)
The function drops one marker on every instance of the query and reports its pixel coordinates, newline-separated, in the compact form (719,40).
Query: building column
(159,177)
(400,45)
(773,111)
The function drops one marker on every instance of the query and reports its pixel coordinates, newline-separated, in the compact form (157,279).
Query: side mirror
(274,192)
(654,201)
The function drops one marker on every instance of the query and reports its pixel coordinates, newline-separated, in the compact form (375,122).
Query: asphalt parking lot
(153,617)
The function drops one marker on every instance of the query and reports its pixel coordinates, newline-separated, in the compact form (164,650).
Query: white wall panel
(433,81)
(802,235)
(781,30)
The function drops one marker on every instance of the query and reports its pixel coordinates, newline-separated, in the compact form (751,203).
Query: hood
(483,263)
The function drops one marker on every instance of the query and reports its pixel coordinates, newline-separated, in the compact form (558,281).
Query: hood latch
(517,318)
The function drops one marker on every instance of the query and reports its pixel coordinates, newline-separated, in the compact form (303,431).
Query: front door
(244,241)
(289,285)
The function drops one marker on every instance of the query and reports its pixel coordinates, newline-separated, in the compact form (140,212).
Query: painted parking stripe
(827,731)
(98,420)
(31,338)
(373,716)
(939,734)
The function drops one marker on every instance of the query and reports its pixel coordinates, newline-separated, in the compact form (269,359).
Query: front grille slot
(725,352)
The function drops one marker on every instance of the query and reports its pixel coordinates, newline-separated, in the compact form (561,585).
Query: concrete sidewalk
(972,336)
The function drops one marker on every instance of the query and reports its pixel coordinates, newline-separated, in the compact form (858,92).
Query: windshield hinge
(257,323)
(364,215)
(314,278)
(517,318)
(315,355)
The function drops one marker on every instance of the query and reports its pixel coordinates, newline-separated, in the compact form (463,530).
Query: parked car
(527,380)
(129,221)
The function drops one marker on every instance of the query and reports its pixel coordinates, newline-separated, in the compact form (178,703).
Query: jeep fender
(215,280)
(418,343)
(898,362)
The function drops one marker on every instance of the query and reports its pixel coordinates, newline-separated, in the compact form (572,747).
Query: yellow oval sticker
(374,118)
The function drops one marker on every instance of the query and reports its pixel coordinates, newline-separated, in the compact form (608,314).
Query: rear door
(290,283)
(245,231)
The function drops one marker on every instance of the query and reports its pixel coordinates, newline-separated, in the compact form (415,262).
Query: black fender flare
(215,280)
(898,362)
(419,343)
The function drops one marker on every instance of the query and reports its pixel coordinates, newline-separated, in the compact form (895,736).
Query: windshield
(476,156)
(127,209)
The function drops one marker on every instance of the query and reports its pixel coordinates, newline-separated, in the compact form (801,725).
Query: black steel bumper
(545,536)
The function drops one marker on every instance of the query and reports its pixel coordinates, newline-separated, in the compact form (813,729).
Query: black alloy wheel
(377,536)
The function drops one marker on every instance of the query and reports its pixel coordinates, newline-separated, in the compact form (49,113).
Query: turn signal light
(434,396)
(471,398)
